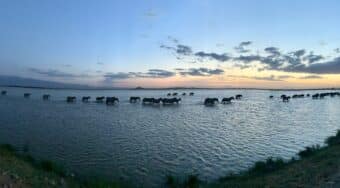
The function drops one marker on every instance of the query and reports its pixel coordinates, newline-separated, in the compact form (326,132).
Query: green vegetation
(316,167)
(21,170)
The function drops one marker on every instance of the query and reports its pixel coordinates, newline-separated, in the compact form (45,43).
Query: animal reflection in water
(100,99)
(134,99)
(210,101)
(46,97)
(71,99)
(111,100)
(86,99)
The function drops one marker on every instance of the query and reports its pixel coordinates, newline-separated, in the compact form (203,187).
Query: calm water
(143,144)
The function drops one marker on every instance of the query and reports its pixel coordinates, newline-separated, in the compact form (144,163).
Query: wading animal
(27,95)
(285,98)
(86,99)
(171,101)
(191,94)
(3,92)
(100,99)
(111,100)
(71,99)
(238,97)
(210,101)
(46,97)
(227,100)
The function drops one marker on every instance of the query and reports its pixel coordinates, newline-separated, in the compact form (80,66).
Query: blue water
(142,144)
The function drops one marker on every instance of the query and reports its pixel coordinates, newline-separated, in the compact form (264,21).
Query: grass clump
(309,151)
(49,166)
(192,181)
(334,140)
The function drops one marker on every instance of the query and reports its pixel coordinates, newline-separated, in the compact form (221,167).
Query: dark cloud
(273,51)
(329,67)
(183,50)
(241,48)
(311,58)
(299,61)
(201,72)
(213,56)
(248,58)
(311,77)
(56,73)
(296,61)
(298,53)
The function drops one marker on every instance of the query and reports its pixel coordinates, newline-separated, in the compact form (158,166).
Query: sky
(187,43)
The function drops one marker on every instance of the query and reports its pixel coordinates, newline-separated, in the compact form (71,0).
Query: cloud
(272,58)
(201,72)
(100,63)
(213,56)
(183,50)
(173,39)
(179,49)
(248,58)
(241,48)
(150,13)
(337,50)
(295,61)
(311,58)
(151,73)
(273,51)
(311,77)
(263,78)
(56,73)
(285,76)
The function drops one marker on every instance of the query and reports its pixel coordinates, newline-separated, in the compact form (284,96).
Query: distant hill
(15,81)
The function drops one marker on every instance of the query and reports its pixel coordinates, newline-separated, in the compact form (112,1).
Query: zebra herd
(114,100)
(286,98)
(175,100)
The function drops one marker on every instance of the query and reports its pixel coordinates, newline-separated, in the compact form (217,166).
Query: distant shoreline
(169,88)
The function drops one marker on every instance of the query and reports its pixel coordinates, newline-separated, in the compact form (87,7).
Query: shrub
(334,140)
(267,166)
(309,151)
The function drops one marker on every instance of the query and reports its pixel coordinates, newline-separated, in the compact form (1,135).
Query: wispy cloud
(56,73)
(151,73)
(200,72)
(241,48)
(311,77)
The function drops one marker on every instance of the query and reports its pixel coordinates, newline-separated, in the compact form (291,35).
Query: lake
(143,144)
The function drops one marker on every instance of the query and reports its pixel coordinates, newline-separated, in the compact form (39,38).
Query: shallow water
(143,144)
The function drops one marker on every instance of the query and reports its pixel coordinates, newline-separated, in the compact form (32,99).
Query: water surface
(143,144)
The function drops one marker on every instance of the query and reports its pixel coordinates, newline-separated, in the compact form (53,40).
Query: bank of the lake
(21,170)
(316,167)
